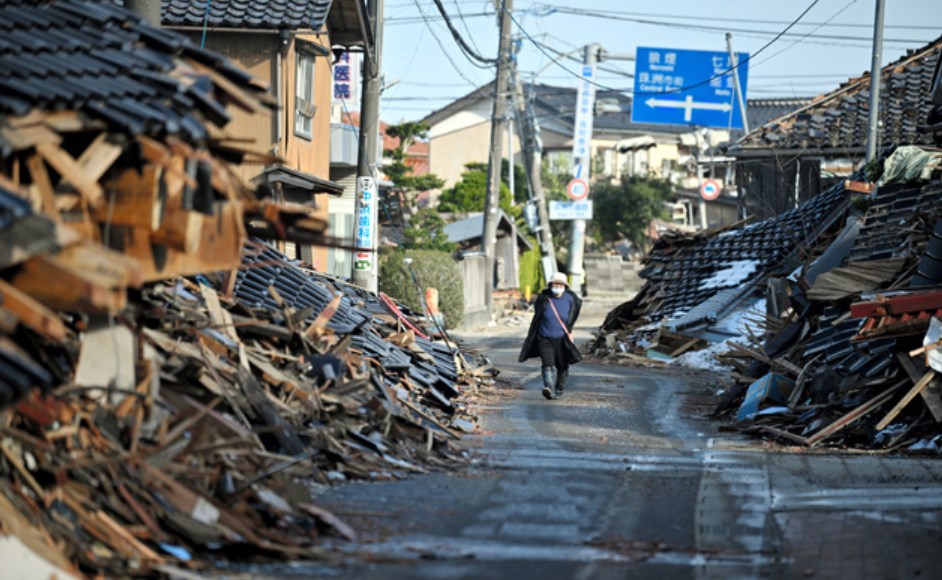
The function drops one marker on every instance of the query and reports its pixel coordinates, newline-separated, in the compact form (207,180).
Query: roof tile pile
(98,59)
(684,272)
(865,325)
(164,398)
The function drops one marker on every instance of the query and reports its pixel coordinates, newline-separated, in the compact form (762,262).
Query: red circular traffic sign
(710,190)
(578,189)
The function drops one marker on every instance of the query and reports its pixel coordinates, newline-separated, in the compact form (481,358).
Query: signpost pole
(734,62)
(582,158)
(702,202)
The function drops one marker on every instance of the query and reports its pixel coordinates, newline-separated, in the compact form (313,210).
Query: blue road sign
(687,87)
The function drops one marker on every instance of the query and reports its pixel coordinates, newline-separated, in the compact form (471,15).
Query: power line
(833,16)
(465,48)
(868,26)
(445,52)
(464,23)
(684,88)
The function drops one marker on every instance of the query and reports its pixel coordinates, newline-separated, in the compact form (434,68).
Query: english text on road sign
(687,87)
(570,210)
(710,189)
(577,189)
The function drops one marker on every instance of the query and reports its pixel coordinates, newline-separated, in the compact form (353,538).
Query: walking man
(550,336)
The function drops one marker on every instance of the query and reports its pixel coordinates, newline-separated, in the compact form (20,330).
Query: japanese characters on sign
(585,101)
(365,219)
(346,79)
(688,87)
(570,210)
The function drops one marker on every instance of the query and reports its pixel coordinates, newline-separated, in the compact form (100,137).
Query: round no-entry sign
(577,189)
(710,190)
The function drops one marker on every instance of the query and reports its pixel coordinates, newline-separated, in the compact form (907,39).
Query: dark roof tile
(266,14)
(106,62)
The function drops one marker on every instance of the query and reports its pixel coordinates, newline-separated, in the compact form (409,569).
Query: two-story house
(289,45)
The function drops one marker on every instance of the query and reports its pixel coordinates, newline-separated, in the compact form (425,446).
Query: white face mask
(557,291)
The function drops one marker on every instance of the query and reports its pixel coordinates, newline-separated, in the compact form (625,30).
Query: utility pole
(528,131)
(582,158)
(367,231)
(873,135)
(498,118)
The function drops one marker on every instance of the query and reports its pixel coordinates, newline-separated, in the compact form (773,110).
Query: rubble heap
(169,390)
(852,311)
(233,413)
(857,347)
(694,280)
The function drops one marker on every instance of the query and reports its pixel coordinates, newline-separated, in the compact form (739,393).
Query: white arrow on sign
(688,105)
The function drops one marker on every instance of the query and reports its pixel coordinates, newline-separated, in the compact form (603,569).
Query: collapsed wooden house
(152,416)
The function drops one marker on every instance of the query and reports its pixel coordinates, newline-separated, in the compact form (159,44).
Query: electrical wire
(465,48)
(792,45)
(605,13)
(684,88)
(445,52)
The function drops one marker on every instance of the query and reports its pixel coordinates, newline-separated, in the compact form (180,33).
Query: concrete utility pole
(528,131)
(873,135)
(582,158)
(367,231)
(498,118)
(149,10)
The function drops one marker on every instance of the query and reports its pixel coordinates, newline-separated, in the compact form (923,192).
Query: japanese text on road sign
(687,87)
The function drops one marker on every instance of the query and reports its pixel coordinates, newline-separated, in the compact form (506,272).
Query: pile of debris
(169,391)
(849,309)
(694,281)
(853,360)
(194,423)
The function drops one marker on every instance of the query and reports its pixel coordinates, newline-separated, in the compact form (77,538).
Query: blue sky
(832,42)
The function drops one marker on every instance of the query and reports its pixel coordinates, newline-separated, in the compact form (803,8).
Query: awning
(298,182)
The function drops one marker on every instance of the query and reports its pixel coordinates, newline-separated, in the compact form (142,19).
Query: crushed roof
(110,65)
(694,280)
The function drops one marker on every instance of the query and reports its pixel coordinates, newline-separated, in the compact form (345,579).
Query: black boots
(561,382)
(549,382)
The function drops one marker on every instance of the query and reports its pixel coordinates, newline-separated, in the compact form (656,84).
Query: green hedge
(433,270)
(531,271)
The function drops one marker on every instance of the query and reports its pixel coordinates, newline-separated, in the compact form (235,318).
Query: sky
(424,68)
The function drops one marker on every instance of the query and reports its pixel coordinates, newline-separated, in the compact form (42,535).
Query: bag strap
(556,312)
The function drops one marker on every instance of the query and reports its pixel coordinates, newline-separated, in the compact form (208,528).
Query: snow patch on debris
(741,321)
(734,273)
(704,359)
(738,323)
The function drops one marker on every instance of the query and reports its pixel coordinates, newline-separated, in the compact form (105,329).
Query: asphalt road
(624,478)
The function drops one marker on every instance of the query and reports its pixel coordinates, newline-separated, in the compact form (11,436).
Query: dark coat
(531,348)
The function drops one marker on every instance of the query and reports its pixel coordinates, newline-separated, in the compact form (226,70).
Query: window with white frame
(304,108)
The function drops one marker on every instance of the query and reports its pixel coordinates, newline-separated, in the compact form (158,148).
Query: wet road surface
(620,479)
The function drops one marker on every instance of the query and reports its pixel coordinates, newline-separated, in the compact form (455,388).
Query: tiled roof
(107,63)
(683,276)
(267,14)
(839,120)
(761,111)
